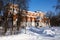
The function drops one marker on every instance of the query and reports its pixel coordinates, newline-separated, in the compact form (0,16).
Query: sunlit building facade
(36,19)
(29,18)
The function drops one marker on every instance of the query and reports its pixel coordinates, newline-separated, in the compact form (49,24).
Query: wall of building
(31,19)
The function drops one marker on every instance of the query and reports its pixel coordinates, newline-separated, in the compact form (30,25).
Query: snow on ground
(18,37)
(33,33)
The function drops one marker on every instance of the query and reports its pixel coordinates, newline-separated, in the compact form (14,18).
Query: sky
(43,5)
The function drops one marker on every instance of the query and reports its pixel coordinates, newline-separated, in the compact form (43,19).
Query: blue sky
(43,5)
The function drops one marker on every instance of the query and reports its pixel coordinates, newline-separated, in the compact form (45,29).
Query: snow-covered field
(33,33)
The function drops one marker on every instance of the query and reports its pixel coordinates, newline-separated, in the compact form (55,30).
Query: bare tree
(49,14)
(57,7)
(1,5)
(23,5)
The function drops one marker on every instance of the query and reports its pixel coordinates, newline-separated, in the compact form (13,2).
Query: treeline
(55,20)
(55,16)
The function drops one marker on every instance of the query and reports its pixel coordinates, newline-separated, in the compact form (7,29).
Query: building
(28,18)
(36,19)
